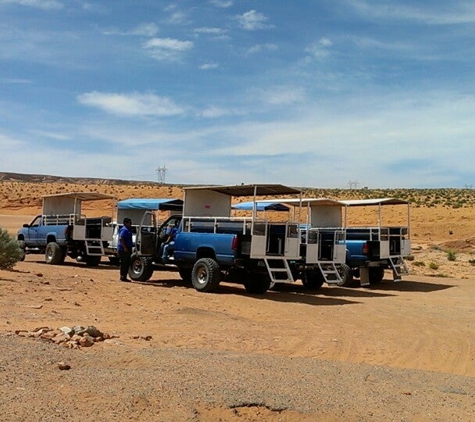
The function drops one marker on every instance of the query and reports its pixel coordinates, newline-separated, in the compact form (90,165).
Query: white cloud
(39,4)
(210,30)
(252,20)
(134,104)
(283,96)
(222,3)
(319,50)
(144,30)
(432,13)
(208,66)
(167,48)
(261,47)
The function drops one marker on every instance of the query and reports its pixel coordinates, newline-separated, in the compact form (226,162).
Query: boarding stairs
(399,267)
(94,247)
(279,270)
(330,272)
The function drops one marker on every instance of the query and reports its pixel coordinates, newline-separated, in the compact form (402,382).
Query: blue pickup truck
(62,230)
(212,245)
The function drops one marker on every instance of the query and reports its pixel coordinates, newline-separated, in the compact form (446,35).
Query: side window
(36,222)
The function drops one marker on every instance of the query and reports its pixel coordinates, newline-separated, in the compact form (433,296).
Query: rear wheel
(312,279)
(53,254)
(92,260)
(376,275)
(258,283)
(141,268)
(346,275)
(206,275)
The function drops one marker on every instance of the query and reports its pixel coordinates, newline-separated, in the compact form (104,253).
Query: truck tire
(185,274)
(141,268)
(206,275)
(258,283)
(312,279)
(53,254)
(93,260)
(376,275)
(346,275)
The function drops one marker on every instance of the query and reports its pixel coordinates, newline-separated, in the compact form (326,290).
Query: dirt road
(395,351)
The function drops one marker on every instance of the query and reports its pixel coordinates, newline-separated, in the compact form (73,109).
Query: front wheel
(346,275)
(206,275)
(53,254)
(141,268)
(22,246)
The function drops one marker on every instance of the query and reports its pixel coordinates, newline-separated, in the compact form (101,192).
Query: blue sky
(310,93)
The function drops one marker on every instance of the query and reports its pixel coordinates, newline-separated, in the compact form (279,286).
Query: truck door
(34,232)
(146,240)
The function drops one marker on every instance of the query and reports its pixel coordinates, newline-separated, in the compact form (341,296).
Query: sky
(306,93)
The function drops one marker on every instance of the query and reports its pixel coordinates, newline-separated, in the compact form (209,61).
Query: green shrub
(451,256)
(433,266)
(10,252)
(419,264)
(410,258)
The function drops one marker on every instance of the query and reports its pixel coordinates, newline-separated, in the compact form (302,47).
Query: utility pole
(161,174)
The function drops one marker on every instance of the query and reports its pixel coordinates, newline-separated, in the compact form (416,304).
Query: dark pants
(124,264)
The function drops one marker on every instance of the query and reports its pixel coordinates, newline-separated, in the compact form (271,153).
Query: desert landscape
(165,352)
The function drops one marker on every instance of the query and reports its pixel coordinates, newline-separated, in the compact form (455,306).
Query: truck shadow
(297,294)
(328,291)
(408,286)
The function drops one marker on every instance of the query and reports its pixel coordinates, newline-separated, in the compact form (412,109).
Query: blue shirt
(126,234)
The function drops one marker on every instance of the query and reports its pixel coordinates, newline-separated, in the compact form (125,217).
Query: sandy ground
(395,351)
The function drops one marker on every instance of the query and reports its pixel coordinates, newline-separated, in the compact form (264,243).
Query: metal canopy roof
(82,196)
(167,204)
(374,201)
(306,201)
(260,206)
(249,190)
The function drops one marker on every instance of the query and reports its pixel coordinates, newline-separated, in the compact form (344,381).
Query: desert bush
(433,266)
(471,261)
(410,258)
(10,252)
(419,264)
(451,255)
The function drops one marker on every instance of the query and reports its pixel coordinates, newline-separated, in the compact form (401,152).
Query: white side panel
(60,205)
(107,233)
(339,254)
(405,247)
(79,232)
(384,249)
(259,240)
(312,253)
(292,242)
(325,216)
(206,203)
(134,215)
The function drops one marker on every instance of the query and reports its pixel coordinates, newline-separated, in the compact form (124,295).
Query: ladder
(279,270)
(330,272)
(399,267)
(94,247)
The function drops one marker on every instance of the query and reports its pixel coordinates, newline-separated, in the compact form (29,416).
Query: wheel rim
(201,275)
(137,266)
(49,253)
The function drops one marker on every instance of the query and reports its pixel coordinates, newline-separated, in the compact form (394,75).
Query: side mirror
(26,225)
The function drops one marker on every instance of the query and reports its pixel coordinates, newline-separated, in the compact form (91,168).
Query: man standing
(124,248)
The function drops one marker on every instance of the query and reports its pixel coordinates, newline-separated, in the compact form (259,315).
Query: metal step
(279,270)
(330,272)
(94,247)
(399,267)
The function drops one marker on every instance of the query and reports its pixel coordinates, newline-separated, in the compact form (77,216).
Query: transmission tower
(161,174)
(353,184)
